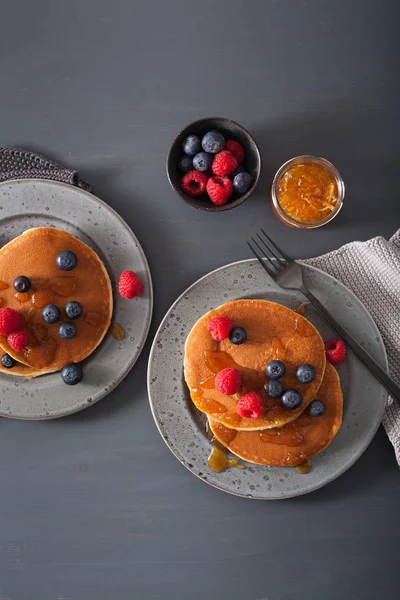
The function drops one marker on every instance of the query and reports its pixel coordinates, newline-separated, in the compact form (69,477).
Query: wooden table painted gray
(94,506)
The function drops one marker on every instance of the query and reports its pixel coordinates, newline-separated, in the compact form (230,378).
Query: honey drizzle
(116,331)
(304,468)
(218,461)
(301,309)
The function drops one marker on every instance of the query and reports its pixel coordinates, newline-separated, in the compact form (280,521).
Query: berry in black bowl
(218,137)
(203,161)
(242,182)
(185,164)
(191,145)
(213,142)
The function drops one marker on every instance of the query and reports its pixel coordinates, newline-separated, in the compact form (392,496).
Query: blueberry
(7,361)
(66,260)
(213,142)
(71,374)
(274,388)
(291,399)
(275,369)
(185,164)
(73,310)
(22,284)
(238,335)
(239,169)
(51,313)
(316,408)
(242,183)
(191,145)
(67,330)
(305,373)
(203,161)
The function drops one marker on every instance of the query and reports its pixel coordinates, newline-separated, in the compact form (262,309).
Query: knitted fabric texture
(372,271)
(21,164)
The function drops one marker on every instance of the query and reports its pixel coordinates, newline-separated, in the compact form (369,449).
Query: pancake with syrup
(34,254)
(273,332)
(297,441)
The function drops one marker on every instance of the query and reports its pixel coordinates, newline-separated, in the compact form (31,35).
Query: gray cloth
(21,164)
(372,271)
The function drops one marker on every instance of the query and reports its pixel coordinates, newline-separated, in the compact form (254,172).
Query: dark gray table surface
(94,506)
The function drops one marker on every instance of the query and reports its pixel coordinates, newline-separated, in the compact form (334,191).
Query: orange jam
(307,192)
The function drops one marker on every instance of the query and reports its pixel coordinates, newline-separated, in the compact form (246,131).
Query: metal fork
(288,274)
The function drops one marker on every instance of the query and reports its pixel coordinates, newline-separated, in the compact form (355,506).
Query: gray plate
(183,427)
(37,203)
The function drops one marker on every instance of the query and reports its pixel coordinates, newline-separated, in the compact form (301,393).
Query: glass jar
(290,220)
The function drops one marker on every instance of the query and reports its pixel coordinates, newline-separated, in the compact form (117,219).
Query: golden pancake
(273,332)
(297,441)
(21,371)
(33,254)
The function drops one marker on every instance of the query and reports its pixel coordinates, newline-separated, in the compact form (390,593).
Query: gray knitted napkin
(372,271)
(22,164)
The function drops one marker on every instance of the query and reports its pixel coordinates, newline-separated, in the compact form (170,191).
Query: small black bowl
(230,130)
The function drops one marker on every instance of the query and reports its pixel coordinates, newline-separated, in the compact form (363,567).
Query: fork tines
(269,251)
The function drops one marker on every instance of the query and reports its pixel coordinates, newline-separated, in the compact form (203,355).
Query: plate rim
(227,491)
(131,364)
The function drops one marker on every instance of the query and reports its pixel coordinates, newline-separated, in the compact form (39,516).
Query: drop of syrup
(304,467)
(218,461)
(116,331)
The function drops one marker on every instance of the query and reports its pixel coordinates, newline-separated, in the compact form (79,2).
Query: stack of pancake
(33,254)
(280,437)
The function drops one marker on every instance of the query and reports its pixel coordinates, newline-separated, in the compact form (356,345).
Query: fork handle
(369,362)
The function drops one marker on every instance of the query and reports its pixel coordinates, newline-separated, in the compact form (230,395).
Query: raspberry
(130,285)
(335,351)
(236,149)
(219,190)
(194,183)
(224,163)
(17,340)
(250,406)
(228,382)
(219,327)
(10,320)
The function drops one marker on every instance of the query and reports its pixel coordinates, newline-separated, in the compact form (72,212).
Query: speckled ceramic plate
(36,203)
(183,427)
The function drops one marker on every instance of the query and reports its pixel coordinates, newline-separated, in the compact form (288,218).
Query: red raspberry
(17,340)
(236,149)
(250,406)
(224,163)
(220,328)
(194,183)
(335,351)
(219,190)
(228,382)
(10,320)
(130,285)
